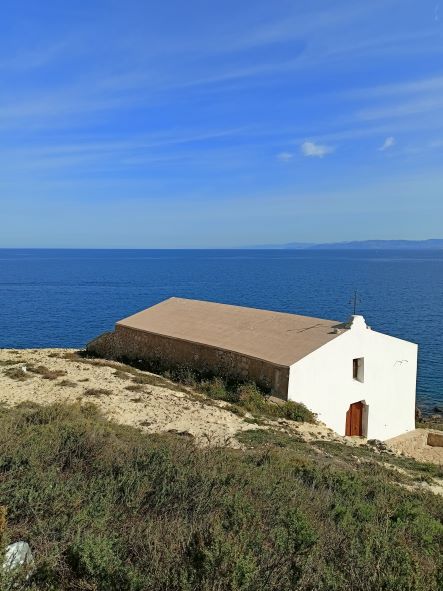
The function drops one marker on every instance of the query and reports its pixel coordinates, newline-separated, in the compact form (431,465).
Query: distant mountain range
(433,243)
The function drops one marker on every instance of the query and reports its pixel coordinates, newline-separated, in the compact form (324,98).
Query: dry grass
(124,371)
(8,362)
(82,357)
(17,373)
(45,373)
(97,392)
(67,384)
(430,423)
(28,371)
(135,388)
(121,375)
(3,513)
(145,380)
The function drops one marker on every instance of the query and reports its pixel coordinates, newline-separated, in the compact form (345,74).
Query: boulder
(435,439)
(17,555)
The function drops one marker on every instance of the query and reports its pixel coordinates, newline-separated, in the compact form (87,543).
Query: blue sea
(64,298)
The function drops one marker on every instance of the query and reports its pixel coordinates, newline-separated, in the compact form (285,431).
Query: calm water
(63,298)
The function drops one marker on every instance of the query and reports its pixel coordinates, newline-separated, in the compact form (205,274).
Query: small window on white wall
(358,369)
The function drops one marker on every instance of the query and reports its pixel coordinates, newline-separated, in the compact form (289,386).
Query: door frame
(355,419)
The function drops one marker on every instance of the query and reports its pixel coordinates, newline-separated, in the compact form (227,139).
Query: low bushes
(247,397)
(26,372)
(97,392)
(45,373)
(106,507)
(243,396)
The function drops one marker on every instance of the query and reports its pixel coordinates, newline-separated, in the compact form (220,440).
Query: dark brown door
(354,419)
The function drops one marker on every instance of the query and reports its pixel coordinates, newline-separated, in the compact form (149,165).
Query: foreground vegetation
(106,507)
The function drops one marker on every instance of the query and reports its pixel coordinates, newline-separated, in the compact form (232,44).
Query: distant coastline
(430,244)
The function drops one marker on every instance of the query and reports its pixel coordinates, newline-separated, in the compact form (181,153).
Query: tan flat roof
(276,337)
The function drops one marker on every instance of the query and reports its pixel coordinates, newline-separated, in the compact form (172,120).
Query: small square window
(358,369)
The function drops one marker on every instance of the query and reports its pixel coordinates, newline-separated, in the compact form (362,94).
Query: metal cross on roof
(355,300)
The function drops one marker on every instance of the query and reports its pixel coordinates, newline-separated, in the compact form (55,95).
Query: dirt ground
(128,396)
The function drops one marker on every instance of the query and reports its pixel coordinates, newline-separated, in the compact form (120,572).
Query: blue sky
(206,124)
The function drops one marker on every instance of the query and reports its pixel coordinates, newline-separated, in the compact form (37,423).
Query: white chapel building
(358,381)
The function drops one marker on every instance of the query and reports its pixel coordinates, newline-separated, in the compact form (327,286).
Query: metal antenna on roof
(355,300)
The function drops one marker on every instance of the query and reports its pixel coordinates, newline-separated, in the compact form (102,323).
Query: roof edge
(177,298)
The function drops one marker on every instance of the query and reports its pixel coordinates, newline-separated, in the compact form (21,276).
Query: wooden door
(354,419)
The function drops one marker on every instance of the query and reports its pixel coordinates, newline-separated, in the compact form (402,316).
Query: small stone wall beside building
(136,344)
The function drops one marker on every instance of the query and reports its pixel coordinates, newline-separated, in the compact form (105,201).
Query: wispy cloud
(205,152)
(421,85)
(40,56)
(285,156)
(316,150)
(311,34)
(387,144)
(146,144)
(411,102)
(405,109)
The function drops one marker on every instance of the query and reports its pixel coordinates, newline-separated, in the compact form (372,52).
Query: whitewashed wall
(324,381)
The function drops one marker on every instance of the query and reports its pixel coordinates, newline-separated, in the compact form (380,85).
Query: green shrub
(252,399)
(96,557)
(267,437)
(107,507)
(249,398)
(296,411)
(216,389)
(183,374)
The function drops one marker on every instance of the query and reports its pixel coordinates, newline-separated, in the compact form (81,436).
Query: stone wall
(135,344)
(435,439)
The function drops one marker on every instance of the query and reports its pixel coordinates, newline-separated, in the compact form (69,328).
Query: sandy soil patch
(131,397)
(153,405)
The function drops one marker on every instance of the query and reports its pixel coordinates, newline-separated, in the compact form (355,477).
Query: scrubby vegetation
(46,373)
(17,373)
(243,396)
(435,423)
(97,392)
(125,370)
(67,384)
(247,397)
(106,507)
(28,371)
